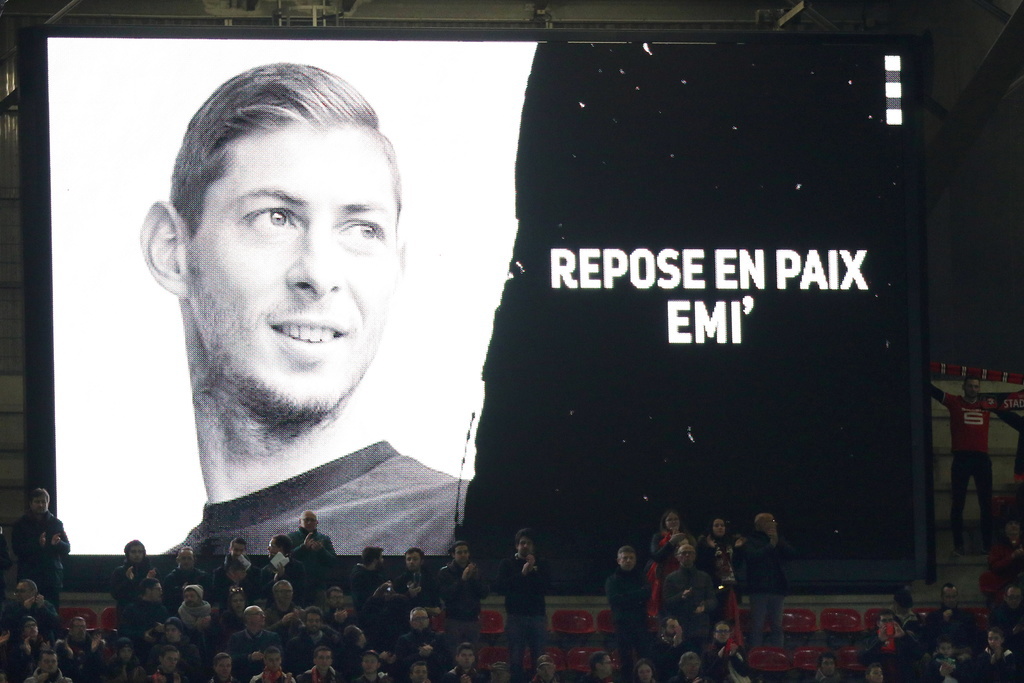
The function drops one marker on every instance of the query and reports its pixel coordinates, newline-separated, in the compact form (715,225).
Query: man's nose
(318,267)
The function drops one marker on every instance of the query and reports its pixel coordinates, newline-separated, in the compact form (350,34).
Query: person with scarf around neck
(322,670)
(272,671)
(194,612)
(664,543)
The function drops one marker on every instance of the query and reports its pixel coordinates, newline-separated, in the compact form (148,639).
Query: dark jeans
(967,464)
(524,631)
(633,641)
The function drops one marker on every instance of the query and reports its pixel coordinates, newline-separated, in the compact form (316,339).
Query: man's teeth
(308,333)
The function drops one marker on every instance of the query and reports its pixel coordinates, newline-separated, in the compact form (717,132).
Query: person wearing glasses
(689,596)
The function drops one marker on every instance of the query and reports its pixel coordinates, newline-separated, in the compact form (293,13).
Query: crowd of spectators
(283,622)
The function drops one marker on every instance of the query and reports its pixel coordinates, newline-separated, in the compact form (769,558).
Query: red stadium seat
(573,622)
(437,622)
(871,619)
(578,658)
(489,655)
(69,613)
(604,622)
(992,586)
(491,623)
(980,616)
(799,621)
(923,612)
(848,658)
(806,658)
(769,660)
(108,619)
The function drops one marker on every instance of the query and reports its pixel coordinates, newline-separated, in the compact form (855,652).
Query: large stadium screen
(449,284)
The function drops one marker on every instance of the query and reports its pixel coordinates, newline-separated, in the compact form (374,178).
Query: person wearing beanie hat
(194,612)
(124,666)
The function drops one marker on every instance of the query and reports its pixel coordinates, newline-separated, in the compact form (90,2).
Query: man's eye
(272,218)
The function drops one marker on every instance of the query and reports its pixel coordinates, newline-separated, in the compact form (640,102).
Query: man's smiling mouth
(311,334)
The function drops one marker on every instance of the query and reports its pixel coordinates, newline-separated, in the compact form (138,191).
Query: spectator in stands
(272,671)
(283,615)
(462,588)
(126,580)
(350,652)
(943,665)
(465,670)
(950,620)
(299,650)
(893,648)
(874,673)
(968,427)
(689,669)
(235,571)
(906,617)
(665,542)
(419,672)
(282,567)
(48,670)
(669,646)
(421,642)
(222,669)
(367,576)
(600,668)
(418,583)
(41,545)
(185,574)
(643,672)
(689,595)
(336,614)
(143,620)
(80,654)
(189,662)
(1006,559)
(384,618)
(1009,616)
(525,583)
(996,663)
(723,658)
(371,673)
(124,666)
(194,612)
(546,673)
(827,671)
(714,557)
(23,649)
(246,647)
(321,671)
(628,593)
(316,552)
(168,668)
(28,602)
(765,553)
(231,620)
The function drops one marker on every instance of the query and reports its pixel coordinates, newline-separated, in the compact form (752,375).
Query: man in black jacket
(462,588)
(628,592)
(764,554)
(40,543)
(525,582)
(421,643)
(689,596)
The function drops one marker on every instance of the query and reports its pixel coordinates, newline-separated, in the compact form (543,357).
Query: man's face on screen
(292,268)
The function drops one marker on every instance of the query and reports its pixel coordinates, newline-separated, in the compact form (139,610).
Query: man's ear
(164,236)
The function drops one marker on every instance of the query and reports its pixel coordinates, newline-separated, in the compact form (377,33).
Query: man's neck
(240,454)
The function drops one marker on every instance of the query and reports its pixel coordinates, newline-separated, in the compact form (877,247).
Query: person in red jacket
(968,426)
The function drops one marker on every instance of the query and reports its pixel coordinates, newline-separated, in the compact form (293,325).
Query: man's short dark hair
(261,99)
(131,544)
(334,589)
(465,646)
(626,549)
(272,650)
(164,649)
(283,542)
(527,532)
(39,493)
(371,554)
(596,658)
(148,584)
(998,631)
(416,550)
(321,648)
(314,610)
(457,544)
(30,583)
(220,657)
(418,662)
(826,655)
(237,540)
